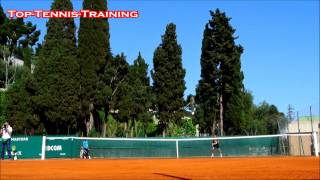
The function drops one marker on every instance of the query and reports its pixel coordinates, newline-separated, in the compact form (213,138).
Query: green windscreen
(232,147)
(69,147)
(130,148)
(27,147)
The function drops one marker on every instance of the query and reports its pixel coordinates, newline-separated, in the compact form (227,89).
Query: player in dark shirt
(215,146)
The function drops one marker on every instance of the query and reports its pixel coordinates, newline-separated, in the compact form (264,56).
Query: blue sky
(280,39)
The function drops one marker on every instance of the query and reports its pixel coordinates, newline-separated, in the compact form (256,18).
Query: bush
(94,133)
(151,129)
(112,126)
(186,129)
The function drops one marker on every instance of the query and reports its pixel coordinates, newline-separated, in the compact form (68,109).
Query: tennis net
(265,145)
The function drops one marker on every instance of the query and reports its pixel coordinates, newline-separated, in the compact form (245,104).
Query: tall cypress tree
(231,76)
(221,77)
(57,74)
(207,89)
(168,79)
(94,51)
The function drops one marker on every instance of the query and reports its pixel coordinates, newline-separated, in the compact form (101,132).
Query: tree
(187,128)
(30,37)
(57,75)
(3,19)
(168,79)
(13,31)
(190,104)
(141,93)
(20,105)
(207,92)
(115,73)
(94,52)
(221,77)
(16,104)
(249,125)
(262,118)
(268,119)
(135,97)
(120,100)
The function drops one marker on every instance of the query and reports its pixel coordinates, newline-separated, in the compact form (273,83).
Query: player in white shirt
(6,132)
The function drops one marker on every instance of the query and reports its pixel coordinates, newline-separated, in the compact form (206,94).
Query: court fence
(46,147)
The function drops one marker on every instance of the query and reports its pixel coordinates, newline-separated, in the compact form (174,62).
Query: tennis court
(270,168)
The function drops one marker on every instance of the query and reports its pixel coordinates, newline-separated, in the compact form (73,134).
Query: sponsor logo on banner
(20,139)
(54,148)
(18,153)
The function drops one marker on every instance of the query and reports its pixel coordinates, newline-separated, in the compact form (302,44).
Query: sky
(280,40)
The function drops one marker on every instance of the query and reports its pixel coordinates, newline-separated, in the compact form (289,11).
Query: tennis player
(215,146)
(85,150)
(6,131)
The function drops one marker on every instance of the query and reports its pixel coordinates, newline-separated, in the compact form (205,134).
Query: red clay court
(268,168)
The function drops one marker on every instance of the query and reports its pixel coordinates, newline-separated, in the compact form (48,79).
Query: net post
(71,148)
(177,148)
(43,148)
(315,143)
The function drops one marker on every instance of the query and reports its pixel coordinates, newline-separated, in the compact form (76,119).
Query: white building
(16,62)
(305,124)
(303,144)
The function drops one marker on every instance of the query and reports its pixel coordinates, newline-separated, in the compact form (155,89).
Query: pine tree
(30,37)
(220,88)
(57,75)
(94,52)
(11,32)
(14,30)
(168,79)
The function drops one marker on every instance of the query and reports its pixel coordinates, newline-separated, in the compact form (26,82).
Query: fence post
(43,148)
(177,148)
(315,143)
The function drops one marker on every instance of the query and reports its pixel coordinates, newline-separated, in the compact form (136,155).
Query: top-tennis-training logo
(73,14)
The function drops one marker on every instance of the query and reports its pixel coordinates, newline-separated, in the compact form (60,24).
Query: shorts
(215,147)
